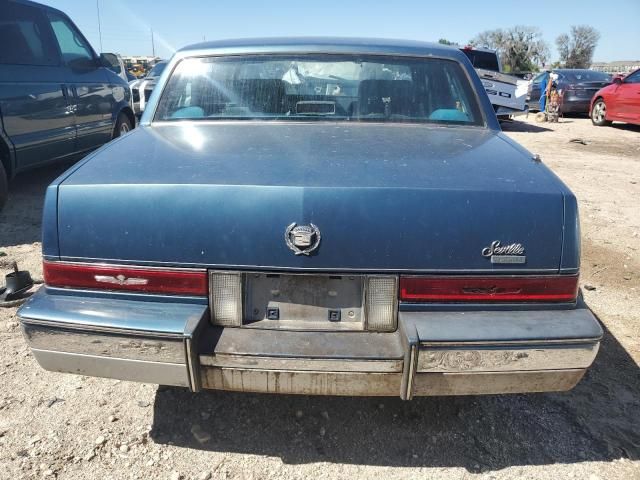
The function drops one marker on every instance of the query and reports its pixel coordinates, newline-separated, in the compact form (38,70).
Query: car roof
(571,70)
(29,3)
(324,45)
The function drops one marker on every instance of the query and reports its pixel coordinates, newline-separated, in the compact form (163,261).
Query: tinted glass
(578,76)
(115,69)
(320,87)
(157,70)
(73,47)
(112,62)
(24,36)
(633,78)
(538,78)
(484,60)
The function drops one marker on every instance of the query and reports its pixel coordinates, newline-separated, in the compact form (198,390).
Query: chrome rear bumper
(431,353)
(143,340)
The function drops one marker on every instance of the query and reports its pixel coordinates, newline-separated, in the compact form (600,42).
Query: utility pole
(99,24)
(153,45)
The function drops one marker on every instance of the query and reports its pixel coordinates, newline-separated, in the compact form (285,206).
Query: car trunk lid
(384,198)
(586,89)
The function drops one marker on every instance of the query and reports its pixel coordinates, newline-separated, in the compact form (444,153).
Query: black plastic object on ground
(17,284)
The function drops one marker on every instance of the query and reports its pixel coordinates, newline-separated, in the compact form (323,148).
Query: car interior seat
(386,97)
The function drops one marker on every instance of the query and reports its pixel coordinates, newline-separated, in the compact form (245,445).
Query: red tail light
(134,279)
(559,288)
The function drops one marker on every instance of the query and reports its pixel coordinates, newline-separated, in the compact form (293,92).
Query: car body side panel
(93,108)
(629,102)
(37,116)
(611,98)
(50,225)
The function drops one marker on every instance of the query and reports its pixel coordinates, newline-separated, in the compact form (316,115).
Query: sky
(126,25)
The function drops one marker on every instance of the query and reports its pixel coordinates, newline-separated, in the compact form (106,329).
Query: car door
(36,115)
(534,90)
(92,95)
(628,98)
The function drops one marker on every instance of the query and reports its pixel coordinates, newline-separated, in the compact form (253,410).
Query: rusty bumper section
(313,363)
(431,353)
(126,337)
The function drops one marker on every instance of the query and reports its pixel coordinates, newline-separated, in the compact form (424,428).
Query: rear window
(25,37)
(585,76)
(484,60)
(320,88)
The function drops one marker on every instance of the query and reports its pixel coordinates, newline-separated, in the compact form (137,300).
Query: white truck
(508,94)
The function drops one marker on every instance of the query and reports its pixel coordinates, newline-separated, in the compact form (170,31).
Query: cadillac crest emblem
(302,239)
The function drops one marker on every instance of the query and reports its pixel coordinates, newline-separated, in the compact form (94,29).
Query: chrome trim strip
(294,364)
(307,326)
(191,332)
(502,275)
(119,368)
(481,383)
(409,337)
(104,263)
(120,280)
(97,328)
(108,345)
(413,362)
(485,307)
(128,294)
(194,380)
(267,268)
(507,343)
(467,360)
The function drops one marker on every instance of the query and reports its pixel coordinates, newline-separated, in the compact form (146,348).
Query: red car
(618,102)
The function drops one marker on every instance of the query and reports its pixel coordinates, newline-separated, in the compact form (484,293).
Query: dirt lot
(64,426)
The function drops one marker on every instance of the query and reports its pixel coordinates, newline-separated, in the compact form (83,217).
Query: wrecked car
(315,216)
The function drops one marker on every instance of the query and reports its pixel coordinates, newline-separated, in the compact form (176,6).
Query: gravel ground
(65,426)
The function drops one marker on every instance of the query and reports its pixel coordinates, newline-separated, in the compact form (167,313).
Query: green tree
(444,41)
(576,48)
(521,48)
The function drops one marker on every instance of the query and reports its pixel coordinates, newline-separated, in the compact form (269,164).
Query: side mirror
(82,64)
(110,61)
(617,81)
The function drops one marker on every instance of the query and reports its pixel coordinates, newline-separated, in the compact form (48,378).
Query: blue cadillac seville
(315,216)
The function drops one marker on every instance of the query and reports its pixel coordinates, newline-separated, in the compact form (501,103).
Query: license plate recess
(323,302)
